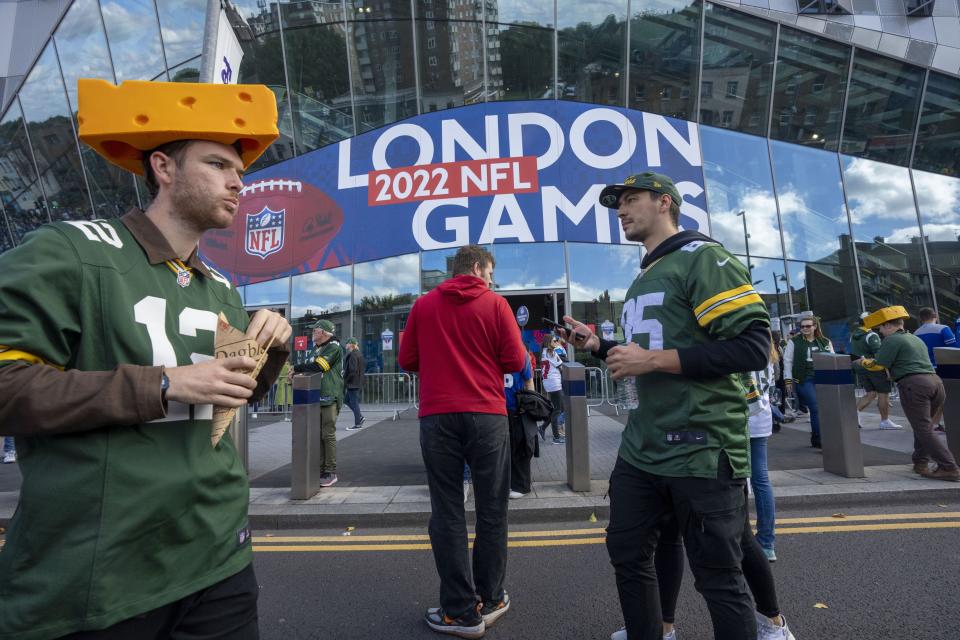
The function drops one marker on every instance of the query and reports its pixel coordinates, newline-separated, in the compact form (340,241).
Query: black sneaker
(355,427)
(468,625)
(491,612)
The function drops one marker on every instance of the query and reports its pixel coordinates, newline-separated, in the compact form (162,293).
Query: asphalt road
(896,580)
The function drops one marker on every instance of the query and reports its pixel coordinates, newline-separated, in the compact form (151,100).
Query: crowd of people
(93,388)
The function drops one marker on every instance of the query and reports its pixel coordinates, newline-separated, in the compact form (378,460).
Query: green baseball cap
(649,181)
(352,341)
(326,325)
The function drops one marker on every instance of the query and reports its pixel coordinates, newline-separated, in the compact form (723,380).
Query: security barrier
(388,393)
(596,379)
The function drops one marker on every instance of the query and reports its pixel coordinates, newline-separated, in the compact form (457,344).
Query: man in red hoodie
(462,338)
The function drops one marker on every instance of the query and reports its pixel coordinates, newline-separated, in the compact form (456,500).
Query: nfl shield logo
(265,232)
(183,278)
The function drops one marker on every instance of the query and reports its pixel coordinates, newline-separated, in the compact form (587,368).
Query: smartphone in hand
(562,327)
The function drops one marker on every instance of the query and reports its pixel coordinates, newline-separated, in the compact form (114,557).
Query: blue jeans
(762,492)
(8,445)
(807,393)
(352,400)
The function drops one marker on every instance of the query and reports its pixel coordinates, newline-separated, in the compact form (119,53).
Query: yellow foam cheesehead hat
(886,314)
(122,122)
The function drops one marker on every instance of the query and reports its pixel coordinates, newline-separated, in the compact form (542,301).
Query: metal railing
(388,393)
(596,380)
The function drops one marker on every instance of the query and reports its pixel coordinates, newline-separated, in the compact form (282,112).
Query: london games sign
(496,172)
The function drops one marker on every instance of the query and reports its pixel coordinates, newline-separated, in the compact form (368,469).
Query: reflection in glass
(884,220)
(19,186)
(451,58)
(738,67)
(5,241)
(770,281)
(83,50)
(258,32)
(266,293)
(939,135)
(830,291)
(599,278)
(320,92)
(882,108)
(134,38)
(591,36)
(187,71)
(182,23)
(522,266)
(528,12)
(520,64)
(812,210)
(435,267)
(939,200)
(384,292)
(665,56)
(54,145)
(743,212)
(811,82)
(322,294)
(380,44)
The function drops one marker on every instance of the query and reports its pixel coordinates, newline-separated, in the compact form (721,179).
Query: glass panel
(520,62)
(599,278)
(939,136)
(54,145)
(83,49)
(381,57)
(19,186)
(811,83)
(737,70)
(384,294)
(770,281)
(591,47)
(5,241)
(812,209)
(884,219)
(270,292)
(882,108)
(665,56)
(743,213)
(187,71)
(256,27)
(939,199)
(830,291)
(182,24)
(435,267)
(134,38)
(527,12)
(451,60)
(529,266)
(321,92)
(322,294)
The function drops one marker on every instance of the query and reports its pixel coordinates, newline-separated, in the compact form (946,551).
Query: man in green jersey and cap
(692,321)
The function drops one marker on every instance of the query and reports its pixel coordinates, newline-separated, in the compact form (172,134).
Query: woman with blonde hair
(798,369)
(551,359)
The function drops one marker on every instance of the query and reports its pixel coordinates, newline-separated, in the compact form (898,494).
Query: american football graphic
(282,225)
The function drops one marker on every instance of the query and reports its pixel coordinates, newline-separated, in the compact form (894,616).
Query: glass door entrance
(539,304)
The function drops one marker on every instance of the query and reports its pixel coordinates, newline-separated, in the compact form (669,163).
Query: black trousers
(756,570)
(226,610)
(482,441)
(520,455)
(710,514)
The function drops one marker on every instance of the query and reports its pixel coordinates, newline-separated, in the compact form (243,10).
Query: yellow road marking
(879,516)
(420,537)
(356,543)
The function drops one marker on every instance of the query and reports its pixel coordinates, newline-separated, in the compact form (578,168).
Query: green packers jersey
(864,344)
(697,294)
(115,521)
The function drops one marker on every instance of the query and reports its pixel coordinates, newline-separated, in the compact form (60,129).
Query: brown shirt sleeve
(42,400)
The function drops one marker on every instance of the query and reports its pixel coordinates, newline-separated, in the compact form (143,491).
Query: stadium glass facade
(830,169)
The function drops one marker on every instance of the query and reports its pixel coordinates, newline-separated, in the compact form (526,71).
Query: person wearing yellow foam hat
(904,355)
(131,524)
(875,381)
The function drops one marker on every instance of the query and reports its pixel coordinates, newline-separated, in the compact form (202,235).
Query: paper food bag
(232,342)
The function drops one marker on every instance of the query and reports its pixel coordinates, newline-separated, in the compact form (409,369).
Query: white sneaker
(10,456)
(889,425)
(466,491)
(516,494)
(622,634)
(766,630)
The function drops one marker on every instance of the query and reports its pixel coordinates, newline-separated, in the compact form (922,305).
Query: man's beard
(196,207)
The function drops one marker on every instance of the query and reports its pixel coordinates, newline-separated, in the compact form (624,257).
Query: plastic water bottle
(627,393)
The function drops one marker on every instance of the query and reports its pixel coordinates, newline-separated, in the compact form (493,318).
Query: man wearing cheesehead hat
(327,360)
(131,524)
(904,355)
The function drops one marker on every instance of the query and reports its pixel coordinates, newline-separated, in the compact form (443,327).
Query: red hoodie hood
(463,289)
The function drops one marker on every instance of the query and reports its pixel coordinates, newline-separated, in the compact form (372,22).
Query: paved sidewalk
(382,480)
